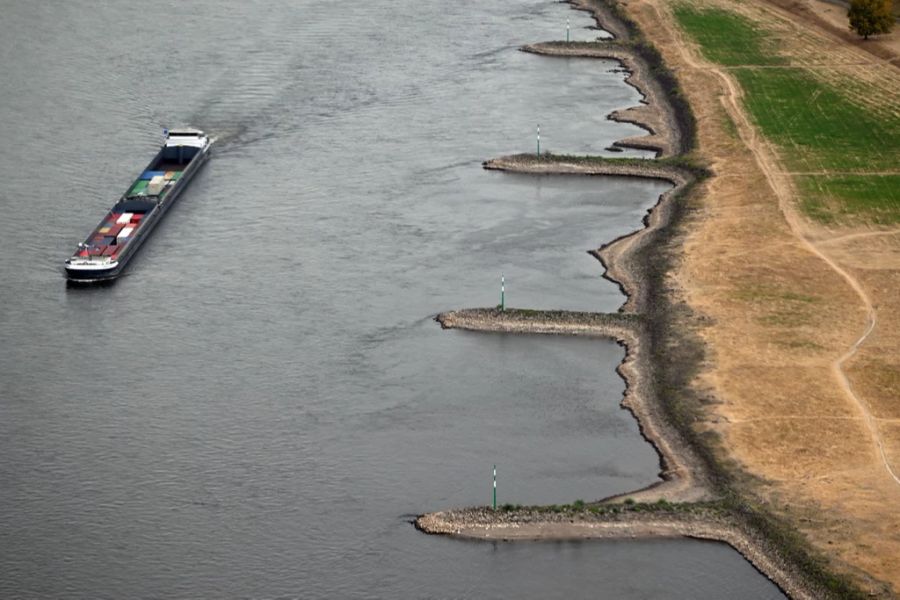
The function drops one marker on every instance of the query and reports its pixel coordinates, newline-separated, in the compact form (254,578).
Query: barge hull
(105,254)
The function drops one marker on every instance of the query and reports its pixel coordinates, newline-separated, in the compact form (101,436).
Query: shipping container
(156,185)
(139,188)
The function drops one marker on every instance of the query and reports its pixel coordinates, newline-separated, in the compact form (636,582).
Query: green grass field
(726,38)
(816,127)
(833,199)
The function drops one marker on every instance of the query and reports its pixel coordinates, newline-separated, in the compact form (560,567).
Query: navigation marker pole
(539,139)
(567,30)
(495,487)
(502,293)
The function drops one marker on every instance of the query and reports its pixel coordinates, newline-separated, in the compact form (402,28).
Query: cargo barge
(107,250)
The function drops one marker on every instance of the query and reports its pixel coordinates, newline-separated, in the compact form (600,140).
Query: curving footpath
(781,185)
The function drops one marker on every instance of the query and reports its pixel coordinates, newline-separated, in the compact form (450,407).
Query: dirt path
(856,236)
(801,321)
(783,188)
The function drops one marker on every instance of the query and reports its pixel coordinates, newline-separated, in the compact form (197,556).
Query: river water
(262,404)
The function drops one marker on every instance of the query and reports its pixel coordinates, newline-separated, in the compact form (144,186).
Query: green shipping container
(177,175)
(140,188)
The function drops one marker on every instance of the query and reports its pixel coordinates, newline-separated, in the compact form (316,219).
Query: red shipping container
(137,217)
(115,229)
(109,250)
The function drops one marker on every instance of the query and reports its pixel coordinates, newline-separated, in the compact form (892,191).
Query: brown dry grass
(786,300)
(833,19)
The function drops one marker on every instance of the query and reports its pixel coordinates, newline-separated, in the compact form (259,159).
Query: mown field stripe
(848,153)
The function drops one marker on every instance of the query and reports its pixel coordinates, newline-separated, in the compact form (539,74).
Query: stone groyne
(704,521)
(617,326)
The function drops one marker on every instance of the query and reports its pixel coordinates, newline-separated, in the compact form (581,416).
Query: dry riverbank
(664,355)
(800,310)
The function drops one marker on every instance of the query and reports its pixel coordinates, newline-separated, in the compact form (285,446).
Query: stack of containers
(125,226)
(157,185)
(125,229)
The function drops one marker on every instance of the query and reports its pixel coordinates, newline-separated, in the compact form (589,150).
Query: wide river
(262,404)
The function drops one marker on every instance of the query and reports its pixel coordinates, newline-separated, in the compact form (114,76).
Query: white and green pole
(502,293)
(495,487)
(539,139)
(567,30)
